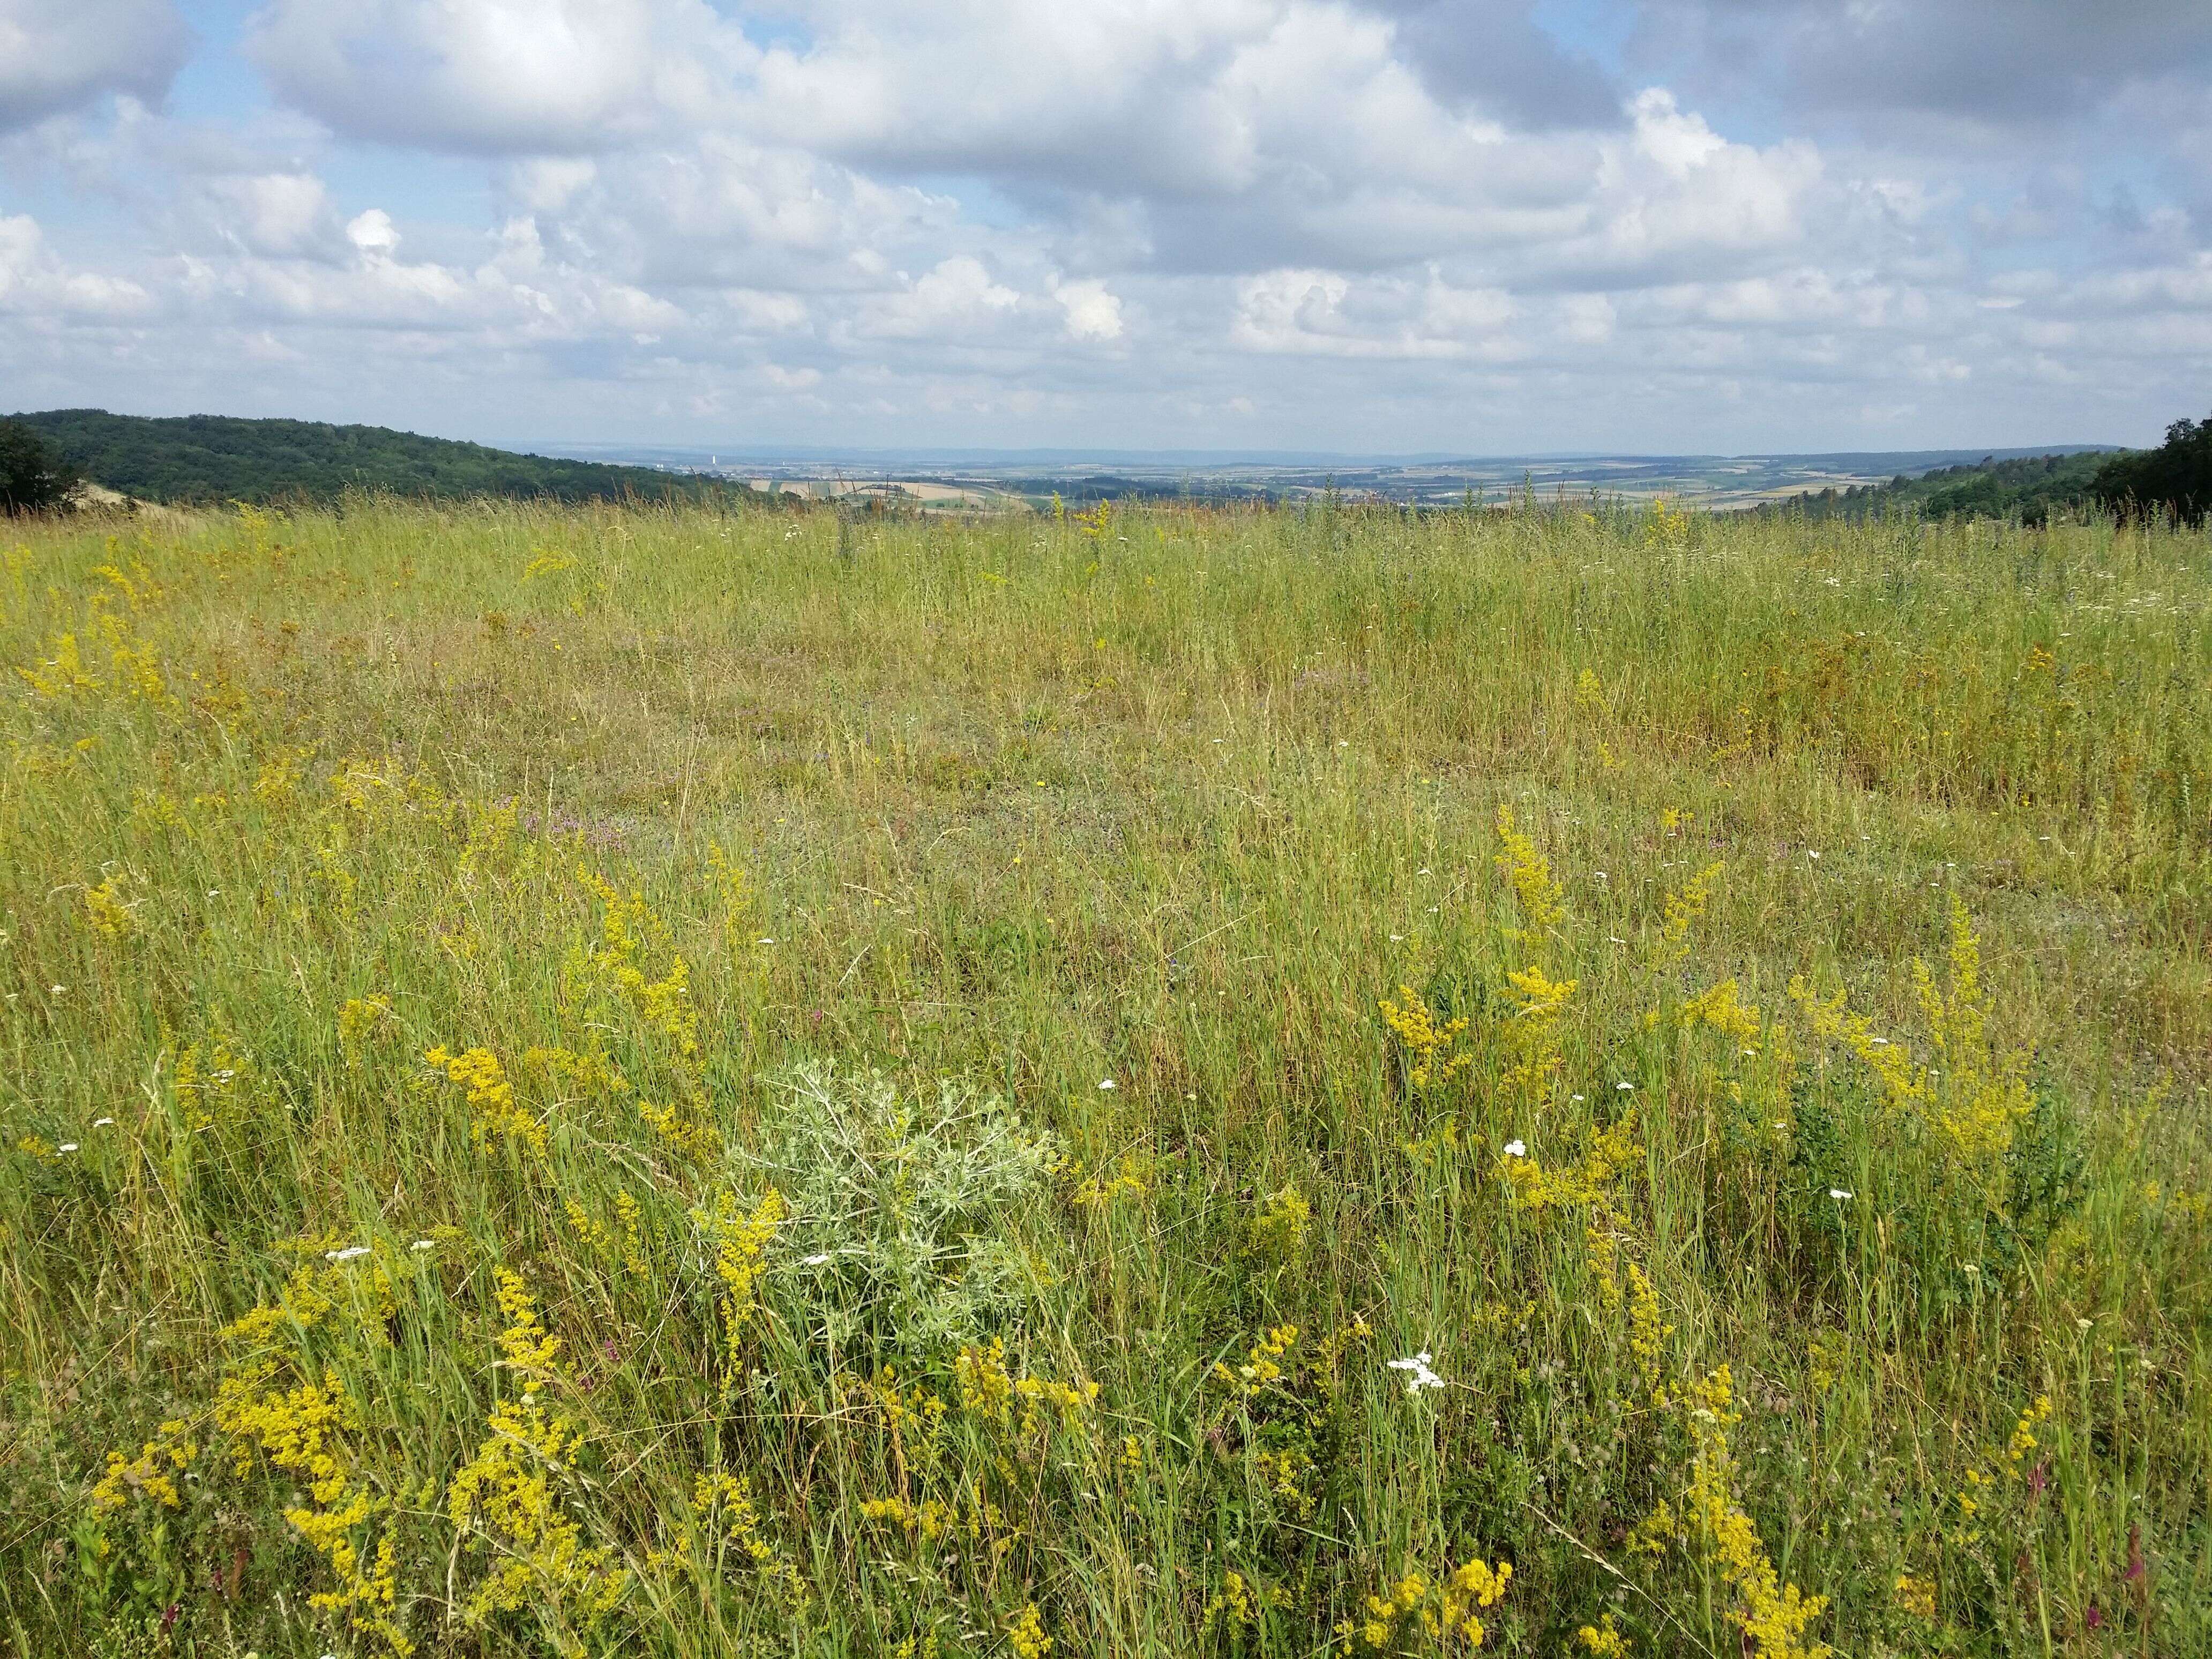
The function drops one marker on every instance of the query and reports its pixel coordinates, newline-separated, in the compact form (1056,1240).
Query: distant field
(664,1081)
(1439,483)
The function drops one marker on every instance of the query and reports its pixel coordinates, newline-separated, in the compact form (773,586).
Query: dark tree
(33,478)
(2174,479)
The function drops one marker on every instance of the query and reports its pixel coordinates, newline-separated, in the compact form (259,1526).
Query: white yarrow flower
(66,1147)
(103,1123)
(1624,1084)
(1108,1082)
(1422,1376)
(1837,1193)
(424,1244)
(347,1253)
(1515,1149)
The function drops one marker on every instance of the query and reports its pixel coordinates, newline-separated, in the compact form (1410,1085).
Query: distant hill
(216,457)
(2027,488)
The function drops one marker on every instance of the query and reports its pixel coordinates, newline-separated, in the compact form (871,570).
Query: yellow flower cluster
(990,1389)
(1026,1635)
(1774,1615)
(1130,1177)
(1278,1227)
(1262,1364)
(1970,1105)
(301,1431)
(734,1522)
(1603,1640)
(490,1095)
(1534,1035)
(152,1473)
(1443,1611)
(506,1494)
(314,1291)
(1428,1044)
(1541,899)
(1682,911)
(107,911)
(1607,1155)
(663,1005)
(357,1017)
(1719,1007)
(743,1239)
(134,672)
(1916,1596)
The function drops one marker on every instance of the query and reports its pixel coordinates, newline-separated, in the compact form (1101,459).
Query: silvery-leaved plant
(901,1238)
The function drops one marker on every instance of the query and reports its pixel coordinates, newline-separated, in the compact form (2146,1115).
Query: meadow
(1586,1080)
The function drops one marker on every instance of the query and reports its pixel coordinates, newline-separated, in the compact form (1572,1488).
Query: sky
(1364,226)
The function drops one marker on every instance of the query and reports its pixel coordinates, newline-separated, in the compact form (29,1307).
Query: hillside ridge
(181,460)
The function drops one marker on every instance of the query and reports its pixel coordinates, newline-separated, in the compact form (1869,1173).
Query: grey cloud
(2023,63)
(1489,57)
(57,56)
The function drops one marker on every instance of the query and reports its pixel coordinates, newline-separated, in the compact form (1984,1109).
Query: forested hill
(217,458)
(2028,487)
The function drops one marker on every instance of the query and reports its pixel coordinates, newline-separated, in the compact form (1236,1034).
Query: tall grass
(662,1084)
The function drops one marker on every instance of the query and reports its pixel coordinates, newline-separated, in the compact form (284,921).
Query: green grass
(830,876)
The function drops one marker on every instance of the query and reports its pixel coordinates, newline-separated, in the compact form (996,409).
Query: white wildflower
(347,1253)
(424,1244)
(1837,1194)
(1515,1149)
(817,1260)
(66,1147)
(1422,1376)
(1108,1082)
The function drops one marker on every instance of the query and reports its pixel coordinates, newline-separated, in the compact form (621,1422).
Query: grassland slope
(1228,1083)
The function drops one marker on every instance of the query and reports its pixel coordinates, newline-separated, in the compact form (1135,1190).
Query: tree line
(197,458)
